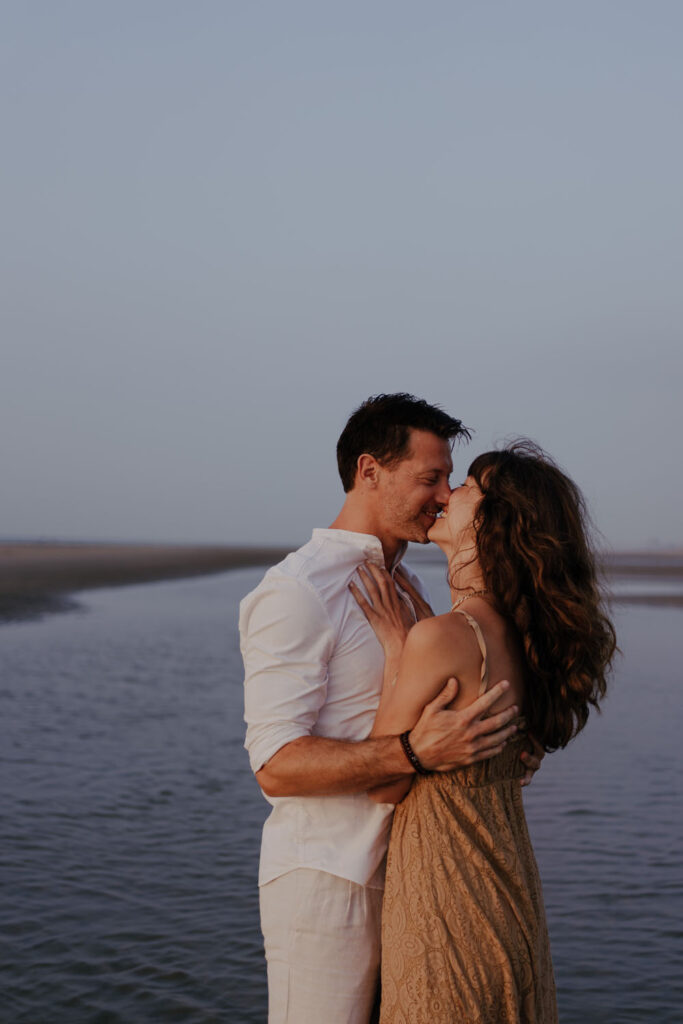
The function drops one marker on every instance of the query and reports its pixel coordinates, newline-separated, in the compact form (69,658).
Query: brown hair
(532,541)
(381,427)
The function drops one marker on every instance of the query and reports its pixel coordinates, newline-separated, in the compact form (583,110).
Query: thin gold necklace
(466,597)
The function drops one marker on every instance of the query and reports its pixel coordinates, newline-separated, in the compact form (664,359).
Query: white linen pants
(322,942)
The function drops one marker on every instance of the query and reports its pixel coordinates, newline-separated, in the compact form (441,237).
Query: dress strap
(484,677)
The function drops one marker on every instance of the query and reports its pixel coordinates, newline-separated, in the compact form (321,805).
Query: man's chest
(354,680)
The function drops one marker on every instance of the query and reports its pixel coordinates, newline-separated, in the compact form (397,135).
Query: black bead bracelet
(411,755)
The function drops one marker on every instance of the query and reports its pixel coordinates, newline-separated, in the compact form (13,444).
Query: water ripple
(131,822)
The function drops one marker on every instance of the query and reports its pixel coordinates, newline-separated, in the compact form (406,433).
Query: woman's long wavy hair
(532,542)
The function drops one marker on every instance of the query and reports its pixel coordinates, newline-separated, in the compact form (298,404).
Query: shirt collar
(365,543)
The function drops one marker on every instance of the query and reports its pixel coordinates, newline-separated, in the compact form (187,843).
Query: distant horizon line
(660,550)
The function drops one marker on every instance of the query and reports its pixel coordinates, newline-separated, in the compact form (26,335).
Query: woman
(464,936)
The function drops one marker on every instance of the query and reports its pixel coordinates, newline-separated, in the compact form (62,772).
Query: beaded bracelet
(411,755)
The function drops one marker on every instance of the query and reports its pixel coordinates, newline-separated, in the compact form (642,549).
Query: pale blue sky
(227,223)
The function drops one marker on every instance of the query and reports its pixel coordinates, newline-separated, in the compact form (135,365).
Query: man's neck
(358,519)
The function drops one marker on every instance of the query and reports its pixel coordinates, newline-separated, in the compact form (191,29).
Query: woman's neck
(465,575)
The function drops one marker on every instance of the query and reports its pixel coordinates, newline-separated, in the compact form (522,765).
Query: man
(313,675)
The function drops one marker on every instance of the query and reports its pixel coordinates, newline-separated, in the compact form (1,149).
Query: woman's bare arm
(435,650)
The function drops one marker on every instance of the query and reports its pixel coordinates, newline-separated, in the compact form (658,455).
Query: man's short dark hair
(381,427)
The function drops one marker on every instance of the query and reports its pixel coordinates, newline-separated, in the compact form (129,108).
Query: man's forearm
(442,739)
(318,766)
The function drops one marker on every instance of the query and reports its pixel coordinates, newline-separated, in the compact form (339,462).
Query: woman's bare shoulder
(439,635)
(432,653)
(438,625)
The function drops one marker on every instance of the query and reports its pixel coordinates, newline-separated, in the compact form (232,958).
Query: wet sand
(630,570)
(661,600)
(645,563)
(39,577)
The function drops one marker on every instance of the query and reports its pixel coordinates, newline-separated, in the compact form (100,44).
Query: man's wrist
(422,750)
(410,754)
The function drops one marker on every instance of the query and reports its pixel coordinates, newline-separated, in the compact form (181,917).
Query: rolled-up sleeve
(286,640)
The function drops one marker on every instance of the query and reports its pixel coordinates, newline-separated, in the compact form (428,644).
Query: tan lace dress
(464,937)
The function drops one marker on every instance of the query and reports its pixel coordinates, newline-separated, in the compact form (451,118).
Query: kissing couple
(374,724)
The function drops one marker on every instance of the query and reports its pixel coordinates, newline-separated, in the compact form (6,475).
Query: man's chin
(421,535)
(417,532)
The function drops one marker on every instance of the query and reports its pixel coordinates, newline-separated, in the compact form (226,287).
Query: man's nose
(444,494)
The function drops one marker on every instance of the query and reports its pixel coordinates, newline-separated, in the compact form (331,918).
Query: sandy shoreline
(39,577)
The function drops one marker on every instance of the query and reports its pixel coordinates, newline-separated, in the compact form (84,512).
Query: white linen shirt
(314,667)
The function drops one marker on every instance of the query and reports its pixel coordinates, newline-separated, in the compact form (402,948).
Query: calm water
(130,821)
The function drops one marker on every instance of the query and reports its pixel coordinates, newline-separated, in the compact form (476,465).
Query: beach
(37,577)
(645,578)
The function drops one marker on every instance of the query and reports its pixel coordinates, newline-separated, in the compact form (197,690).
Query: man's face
(411,492)
(456,526)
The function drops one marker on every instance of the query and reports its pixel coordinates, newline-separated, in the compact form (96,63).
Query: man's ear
(367,470)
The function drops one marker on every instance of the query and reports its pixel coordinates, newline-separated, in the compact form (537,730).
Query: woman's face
(455,526)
